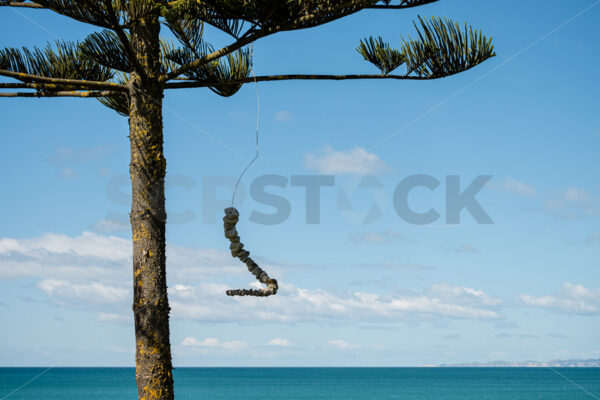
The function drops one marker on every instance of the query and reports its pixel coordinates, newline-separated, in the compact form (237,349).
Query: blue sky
(386,293)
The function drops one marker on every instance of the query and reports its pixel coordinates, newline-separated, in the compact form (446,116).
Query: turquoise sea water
(312,383)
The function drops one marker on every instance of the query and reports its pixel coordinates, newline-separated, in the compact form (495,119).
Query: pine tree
(127,66)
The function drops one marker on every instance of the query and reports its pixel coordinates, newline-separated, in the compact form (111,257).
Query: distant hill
(576,363)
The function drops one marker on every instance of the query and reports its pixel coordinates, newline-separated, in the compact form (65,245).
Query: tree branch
(59,81)
(403,5)
(41,86)
(83,11)
(269,78)
(304,21)
(230,48)
(212,56)
(20,4)
(92,94)
(18,85)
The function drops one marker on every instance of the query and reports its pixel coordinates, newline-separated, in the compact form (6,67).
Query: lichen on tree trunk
(148,218)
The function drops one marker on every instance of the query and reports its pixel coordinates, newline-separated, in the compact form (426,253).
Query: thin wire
(257,127)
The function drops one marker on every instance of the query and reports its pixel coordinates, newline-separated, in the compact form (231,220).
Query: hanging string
(257,125)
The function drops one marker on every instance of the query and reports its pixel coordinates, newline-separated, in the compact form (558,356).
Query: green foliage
(66,61)
(443,49)
(166,48)
(106,49)
(381,54)
(233,67)
(104,13)
(119,103)
(187,30)
(190,14)
(410,3)
(93,12)
(229,15)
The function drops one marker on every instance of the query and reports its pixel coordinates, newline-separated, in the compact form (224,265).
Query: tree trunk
(148,218)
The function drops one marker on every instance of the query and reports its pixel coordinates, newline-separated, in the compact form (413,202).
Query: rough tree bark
(148,217)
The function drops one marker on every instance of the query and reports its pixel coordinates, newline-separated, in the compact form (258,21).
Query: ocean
(311,383)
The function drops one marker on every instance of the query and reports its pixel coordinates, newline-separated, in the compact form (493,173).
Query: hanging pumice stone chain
(231,218)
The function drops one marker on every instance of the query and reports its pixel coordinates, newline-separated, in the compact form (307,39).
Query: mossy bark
(148,217)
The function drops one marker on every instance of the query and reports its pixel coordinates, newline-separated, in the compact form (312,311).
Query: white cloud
(356,161)
(94,257)
(574,194)
(119,319)
(284,116)
(213,343)
(109,226)
(86,245)
(511,185)
(574,202)
(94,271)
(342,344)
(208,342)
(82,259)
(66,292)
(292,304)
(572,299)
(279,342)
(199,265)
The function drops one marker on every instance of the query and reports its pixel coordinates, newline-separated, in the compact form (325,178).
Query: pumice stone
(230,220)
